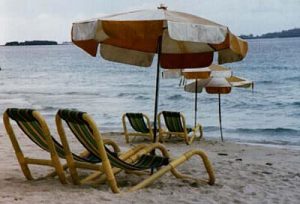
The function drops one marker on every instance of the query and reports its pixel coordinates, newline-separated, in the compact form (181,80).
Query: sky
(22,20)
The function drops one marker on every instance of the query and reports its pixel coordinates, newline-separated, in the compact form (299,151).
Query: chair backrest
(137,122)
(80,128)
(84,128)
(173,121)
(32,123)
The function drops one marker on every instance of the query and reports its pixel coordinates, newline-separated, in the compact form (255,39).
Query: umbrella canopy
(218,85)
(188,41)
(181,40)
(213,70)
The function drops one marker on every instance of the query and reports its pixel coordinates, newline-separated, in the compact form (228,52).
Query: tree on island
(283,34)
(34,42)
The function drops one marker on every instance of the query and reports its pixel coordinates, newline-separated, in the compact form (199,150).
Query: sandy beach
(244,174)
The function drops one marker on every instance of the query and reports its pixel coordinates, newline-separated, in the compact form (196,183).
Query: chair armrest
(147,121)
(183,122)
(159,120)
(124,122)
(114,145)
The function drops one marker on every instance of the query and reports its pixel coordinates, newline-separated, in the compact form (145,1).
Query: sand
(244,174)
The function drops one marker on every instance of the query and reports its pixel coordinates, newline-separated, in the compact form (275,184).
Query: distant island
(283,34)
(34,42)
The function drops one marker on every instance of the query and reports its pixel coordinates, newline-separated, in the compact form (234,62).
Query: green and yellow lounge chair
(86,131)
(83,133)
(175,124)
(35,127)
(137,122)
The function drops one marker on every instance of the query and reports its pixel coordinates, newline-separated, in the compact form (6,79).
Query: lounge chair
(137,122)
(86,131)
(176,125)
(35,127)
(84,135)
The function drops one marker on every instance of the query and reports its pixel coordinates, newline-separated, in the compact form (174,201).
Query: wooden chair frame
(25,161)
(128,134)
(73,165)
(185,135)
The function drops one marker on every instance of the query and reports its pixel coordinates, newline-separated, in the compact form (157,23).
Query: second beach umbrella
(218,85)
(213,70)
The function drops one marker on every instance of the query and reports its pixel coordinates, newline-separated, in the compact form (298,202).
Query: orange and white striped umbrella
(188,41)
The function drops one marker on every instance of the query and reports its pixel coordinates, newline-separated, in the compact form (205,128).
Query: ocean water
(51,77)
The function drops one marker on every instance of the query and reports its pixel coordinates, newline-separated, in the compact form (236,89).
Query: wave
(141,97)
(264,82)
(280,67)
(274,142)
(80,93)
(49,108)
(297,103)
(176,97)
(269,131)
(27,92)
(211,128)
(295,78)
(51,93)
(126,94)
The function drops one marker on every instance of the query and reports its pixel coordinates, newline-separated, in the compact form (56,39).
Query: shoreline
(236,141)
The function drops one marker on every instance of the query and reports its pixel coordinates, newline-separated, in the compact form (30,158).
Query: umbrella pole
(196,98)
(220,117)
(157,88)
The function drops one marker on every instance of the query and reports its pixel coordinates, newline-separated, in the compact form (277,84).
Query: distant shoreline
(292,33)
(254,38)
(31,43)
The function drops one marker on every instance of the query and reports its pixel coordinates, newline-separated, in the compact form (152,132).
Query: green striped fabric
(83,133)
(31,127)
(173,121)
(137,122)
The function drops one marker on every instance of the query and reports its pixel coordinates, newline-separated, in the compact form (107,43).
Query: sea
(48,78)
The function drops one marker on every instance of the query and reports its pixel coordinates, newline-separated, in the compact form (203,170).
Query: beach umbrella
(218,85)
(180,40)
(213,70)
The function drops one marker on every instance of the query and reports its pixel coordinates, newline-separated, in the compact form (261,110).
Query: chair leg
(161,137)
(19,154)
(73,171)
(201,131)
(24,167)
(53,173)
(59,169)
(126,138)
(190,140)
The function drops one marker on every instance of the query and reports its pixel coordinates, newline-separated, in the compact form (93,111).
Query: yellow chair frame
(127,134)
(74,165)
(25,161)
(185,135)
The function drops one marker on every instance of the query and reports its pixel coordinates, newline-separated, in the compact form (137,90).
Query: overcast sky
(52,19)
